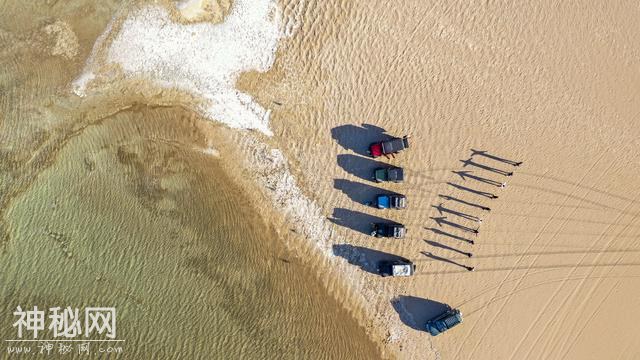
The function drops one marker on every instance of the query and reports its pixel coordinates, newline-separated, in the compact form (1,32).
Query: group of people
(501,185)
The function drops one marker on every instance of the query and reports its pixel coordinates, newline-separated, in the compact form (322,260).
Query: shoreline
(454,87)
(158,171)
(559,235)
(126,95)
(259,181)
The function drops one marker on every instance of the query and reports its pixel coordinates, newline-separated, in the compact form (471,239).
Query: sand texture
(552,85)
(119,198)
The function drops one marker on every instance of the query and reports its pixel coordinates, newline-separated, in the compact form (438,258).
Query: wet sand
(552,86)
(133,214)
(121,200)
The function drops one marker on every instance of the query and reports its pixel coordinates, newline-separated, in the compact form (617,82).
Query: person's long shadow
(442,210)
(356,220)
(444,233)
(440,258)
(485,167)
(365,258)
(468,174)
(464,202)
(447,247)
(358,192)
(358,138)
(415,312)
(474,191)
(494,157)
(442,220)
(359,166)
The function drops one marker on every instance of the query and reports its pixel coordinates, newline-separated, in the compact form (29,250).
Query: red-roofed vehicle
(389,147)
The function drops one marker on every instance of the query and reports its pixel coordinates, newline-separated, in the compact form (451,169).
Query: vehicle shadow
(358,138)
(358,192)
(415,312)
(355,220)
(359,166)
(365,258)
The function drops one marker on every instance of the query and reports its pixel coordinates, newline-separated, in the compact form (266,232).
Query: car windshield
(383,201)
(395,174)
(393,145)
(381,174)
(401,270)
(398,231)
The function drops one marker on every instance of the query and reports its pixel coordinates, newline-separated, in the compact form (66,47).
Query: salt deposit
(204,59)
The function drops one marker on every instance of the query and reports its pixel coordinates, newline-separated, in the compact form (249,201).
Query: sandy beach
(120,198)
(479,87)
(552,86)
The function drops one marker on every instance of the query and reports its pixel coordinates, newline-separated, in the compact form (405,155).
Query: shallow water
(146,224)
(108,204)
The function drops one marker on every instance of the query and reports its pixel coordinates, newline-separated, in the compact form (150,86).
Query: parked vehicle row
(401,267)
(390,201)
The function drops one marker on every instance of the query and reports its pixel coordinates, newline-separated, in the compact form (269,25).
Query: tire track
(577,336)
(519,260)
(543,311)
(606,193)
(593,314)
(553,281)
(493,287)
(577,290)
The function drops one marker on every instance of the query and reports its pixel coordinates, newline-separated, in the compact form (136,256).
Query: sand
(119,198)
(203,59)
(553,86)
